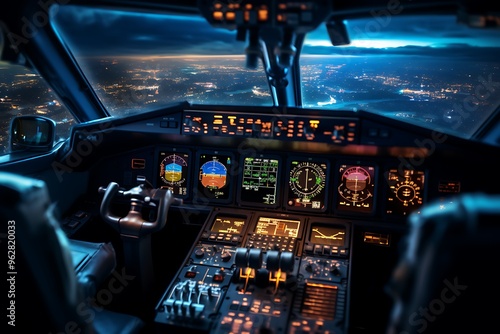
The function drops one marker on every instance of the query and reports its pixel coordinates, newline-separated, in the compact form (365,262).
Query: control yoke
(135,231)
(143,195)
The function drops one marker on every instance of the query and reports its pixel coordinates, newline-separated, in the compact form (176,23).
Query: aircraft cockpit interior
(250,167)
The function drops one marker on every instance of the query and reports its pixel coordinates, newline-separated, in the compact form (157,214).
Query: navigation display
(259,183)
(327,235)
(229,225)
(307,182)
(277,227)
(214,178)
(406,188)
(174,171)
(356,188)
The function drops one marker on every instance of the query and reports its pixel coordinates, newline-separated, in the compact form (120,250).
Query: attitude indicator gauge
(406,188)
(174,171)
(306,185)
(213,176)
(356,188)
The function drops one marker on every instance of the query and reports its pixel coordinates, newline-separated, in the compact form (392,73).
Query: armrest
(93,262)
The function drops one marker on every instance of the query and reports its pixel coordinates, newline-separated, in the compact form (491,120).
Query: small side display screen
(306,185)
(229,225)
(213,176)
(259,184)
(174,171)
(327,235)
(277,227)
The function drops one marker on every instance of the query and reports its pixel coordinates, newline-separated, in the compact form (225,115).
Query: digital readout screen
(277,227)
(259,181)
(229,225)
(327,235)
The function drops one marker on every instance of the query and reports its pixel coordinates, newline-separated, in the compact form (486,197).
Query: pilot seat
(54,282)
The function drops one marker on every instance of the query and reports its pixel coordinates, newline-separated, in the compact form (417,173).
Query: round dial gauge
(213,175)
(356,184)
(307,179)
(406,191)
(171,169)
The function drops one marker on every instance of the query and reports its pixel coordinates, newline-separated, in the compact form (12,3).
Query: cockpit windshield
(142,62)
(138,63)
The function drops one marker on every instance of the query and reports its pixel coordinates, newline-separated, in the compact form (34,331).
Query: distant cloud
(453,51)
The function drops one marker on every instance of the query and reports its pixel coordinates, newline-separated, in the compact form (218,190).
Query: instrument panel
(295,183)
(247,269)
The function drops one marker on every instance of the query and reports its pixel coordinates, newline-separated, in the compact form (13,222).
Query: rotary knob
(225,256)
(199,253)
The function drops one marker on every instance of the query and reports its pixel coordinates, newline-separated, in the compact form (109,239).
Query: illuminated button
(326,250)
(219,276)
(217,16)
(318,249)
(190,274)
